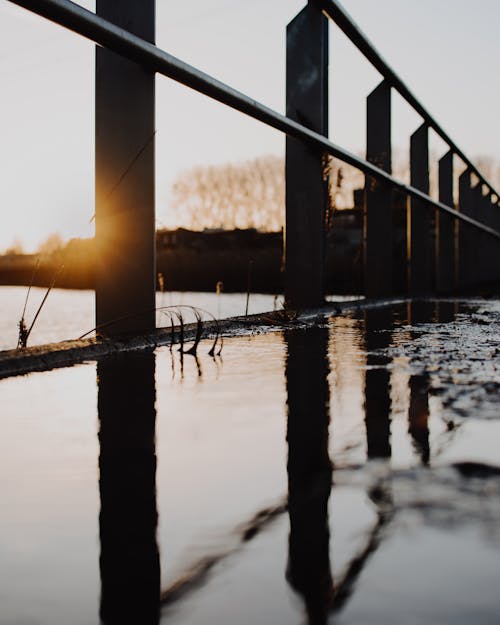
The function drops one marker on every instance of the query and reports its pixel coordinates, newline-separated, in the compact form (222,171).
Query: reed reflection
(377,383)
(129,560)
(309,470)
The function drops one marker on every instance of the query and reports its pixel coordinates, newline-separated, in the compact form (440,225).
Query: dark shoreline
(239,260)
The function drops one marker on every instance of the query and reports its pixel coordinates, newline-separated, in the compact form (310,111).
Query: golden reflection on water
(177,468)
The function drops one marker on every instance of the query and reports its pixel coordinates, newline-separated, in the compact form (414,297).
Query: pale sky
(447,52)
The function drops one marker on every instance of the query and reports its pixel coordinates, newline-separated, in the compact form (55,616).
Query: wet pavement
(343,470)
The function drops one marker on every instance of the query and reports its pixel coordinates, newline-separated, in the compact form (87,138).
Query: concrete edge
(17,362)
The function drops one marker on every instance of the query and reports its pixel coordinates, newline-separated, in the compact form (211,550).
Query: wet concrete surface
(342,469)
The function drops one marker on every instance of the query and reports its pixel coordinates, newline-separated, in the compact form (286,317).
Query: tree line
(251,194)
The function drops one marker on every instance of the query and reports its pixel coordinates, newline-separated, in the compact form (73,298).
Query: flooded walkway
(339,471)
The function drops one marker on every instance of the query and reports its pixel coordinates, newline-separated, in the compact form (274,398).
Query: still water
(67,313)
(340,473)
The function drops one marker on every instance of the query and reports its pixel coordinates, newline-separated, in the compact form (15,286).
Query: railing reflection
(446,311)
(377,383)
(309,470)
(129,560)
(422,312)
(418,415)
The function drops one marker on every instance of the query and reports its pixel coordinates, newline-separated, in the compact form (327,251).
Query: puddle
(68,314)
(343,473)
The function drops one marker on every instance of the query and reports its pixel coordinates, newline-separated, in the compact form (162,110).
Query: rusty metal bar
(306,187)
(489,247)
(421,222)
(445,229)
(495,224)
(377,218)
(492,220)
(465,236)
(125,205)
(479,247)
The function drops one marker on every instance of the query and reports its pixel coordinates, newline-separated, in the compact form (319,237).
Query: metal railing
(346,24)
(136,49)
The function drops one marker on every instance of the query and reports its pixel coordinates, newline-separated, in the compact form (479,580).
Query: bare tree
(250,194)
(16,247)
(53,243)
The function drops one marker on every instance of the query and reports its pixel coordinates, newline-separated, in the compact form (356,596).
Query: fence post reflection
(309,469)
(446,311)
(377,383)
(418,410)
(418,415)
(129,560)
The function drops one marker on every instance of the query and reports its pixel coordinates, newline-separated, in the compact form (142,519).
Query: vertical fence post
(465,236)
(306,188)
(377,222)
(491,244)
(445,228)
(488,250)
(421,246)
(481,238)
(495,248)
(124,162)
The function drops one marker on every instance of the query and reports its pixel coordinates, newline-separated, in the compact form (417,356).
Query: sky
(446,51)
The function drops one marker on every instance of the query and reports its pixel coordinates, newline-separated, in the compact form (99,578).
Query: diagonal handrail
(107,34)
(336,12)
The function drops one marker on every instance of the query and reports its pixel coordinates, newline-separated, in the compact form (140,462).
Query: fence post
(421,246)
(495,248)
(377,222)
(489,242)
(465,237)
(306,188)
(492,243)
(445,228)
(124,171)
(481,238)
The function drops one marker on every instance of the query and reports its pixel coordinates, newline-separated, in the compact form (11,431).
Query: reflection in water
(446,311)
(418,415)
(309,470)
(418,410)
(129,560)
(421,311)
(377,384)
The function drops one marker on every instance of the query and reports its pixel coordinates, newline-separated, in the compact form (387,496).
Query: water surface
(67,313)
(311,474)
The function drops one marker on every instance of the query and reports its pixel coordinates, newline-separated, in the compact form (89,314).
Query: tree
(16,247)
(250,194)
(53,243)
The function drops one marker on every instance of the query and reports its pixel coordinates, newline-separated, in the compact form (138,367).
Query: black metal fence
(434,245)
